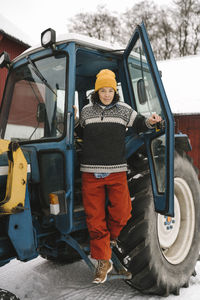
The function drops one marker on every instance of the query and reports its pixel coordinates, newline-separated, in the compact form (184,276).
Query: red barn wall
(190,125)
(13,48)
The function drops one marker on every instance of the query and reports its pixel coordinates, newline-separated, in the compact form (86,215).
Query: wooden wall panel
(13,48)
(190,125)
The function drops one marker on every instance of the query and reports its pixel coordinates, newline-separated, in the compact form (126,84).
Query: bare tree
(172,31)
(157,24)
(187,26)
(102,25)
(145,11)
(164,41)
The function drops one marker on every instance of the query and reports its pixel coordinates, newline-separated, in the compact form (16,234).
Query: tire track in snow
(112,290)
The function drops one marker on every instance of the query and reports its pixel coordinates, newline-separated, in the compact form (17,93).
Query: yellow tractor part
(16,181)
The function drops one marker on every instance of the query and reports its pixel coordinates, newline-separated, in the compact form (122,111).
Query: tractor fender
(182,143)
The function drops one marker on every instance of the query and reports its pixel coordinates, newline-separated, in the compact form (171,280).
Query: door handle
(68,137)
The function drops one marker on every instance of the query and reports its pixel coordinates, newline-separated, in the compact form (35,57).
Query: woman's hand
(75,111)
(154,119)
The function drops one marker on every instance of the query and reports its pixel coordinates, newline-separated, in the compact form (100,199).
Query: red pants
(104,227)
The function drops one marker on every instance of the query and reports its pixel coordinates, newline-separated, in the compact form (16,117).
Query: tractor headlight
(4,60)
(48,38)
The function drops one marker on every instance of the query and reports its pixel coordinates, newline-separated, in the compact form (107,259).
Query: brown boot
(103,268)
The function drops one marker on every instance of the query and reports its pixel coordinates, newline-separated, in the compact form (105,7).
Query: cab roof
(78,39)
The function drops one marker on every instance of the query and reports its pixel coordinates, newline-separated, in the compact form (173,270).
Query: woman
(104,167)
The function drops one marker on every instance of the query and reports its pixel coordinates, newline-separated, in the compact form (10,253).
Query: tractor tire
(6,295)
(161,252)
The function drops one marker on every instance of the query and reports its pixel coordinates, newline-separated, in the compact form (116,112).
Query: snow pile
(45,280)
(180,78)
(12,30)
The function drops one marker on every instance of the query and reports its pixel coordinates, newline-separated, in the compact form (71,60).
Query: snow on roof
(79,39)
(13,31)
(181,78)
(88,41)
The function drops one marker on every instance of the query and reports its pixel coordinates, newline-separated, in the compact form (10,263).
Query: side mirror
(41,112)
(5,60)
(141,90)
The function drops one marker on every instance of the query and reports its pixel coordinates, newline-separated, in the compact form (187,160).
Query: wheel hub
(168,227)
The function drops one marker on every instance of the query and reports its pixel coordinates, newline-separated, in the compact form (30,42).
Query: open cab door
(148,96)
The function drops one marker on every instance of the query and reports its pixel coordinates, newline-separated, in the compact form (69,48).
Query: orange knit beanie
(105,78)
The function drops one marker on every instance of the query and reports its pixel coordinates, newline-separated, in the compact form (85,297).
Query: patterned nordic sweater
(104,130)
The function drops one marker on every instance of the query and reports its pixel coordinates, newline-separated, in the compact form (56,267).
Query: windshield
(34,100)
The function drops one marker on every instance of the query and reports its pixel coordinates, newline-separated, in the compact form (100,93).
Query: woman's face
(106,95)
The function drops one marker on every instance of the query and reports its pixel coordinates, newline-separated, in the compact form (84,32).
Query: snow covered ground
(40,279)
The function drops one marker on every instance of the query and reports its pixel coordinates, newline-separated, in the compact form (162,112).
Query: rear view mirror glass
(141,90)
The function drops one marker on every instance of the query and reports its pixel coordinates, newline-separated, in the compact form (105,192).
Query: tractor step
(121,271)
(123,275)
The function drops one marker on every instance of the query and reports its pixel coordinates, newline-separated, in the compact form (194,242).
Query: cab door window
(147,103)
(146,98)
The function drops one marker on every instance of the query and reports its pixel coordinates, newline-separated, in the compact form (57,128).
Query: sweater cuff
(76,122)
(147,123)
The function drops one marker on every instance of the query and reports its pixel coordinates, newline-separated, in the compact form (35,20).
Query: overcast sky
(33,17)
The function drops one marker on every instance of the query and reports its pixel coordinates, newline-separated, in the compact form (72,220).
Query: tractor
(41,210)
